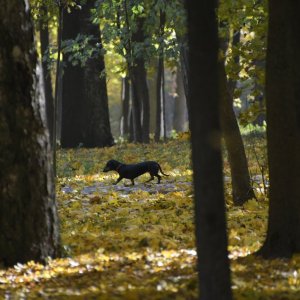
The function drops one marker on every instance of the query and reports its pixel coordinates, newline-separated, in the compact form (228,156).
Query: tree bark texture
(44,39)
(85,114)
(28,215)
(283,129)
(240,178)
(211,239)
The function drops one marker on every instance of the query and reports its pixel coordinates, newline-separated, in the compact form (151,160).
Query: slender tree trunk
(241,183)
(283,130)
(125,106)
(160,82)
(28,215)
(44,39)
(180,109)
(211,239)
(158,99)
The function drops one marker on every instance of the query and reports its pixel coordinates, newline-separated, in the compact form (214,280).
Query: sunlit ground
(123,242)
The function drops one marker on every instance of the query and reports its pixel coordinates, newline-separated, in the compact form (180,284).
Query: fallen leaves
(137,242)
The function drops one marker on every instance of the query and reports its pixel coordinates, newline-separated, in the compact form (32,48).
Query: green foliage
(249,17)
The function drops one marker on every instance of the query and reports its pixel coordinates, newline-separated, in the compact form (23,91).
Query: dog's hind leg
(158,178)
(152,177)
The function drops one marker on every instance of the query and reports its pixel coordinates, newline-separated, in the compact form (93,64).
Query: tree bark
(158,99)
(28,215)
(180,109)
(85,115)
(283,130)
(211,239)
(141,100)
(240,178)
(44,39)
(95,119)
(73,89)
(125,96)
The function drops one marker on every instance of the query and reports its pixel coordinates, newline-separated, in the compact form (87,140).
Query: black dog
(134,170)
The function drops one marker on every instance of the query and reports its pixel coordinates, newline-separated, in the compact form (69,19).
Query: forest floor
(123,242)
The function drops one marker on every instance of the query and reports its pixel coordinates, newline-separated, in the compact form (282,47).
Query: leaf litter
(124,242)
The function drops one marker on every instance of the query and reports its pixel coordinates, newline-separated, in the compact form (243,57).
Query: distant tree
(180,108)
(125,97)
(28,215)
(85,115)
(283,130)
(160,86)
(211,239)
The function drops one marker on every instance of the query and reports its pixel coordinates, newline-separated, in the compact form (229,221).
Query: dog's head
(111,165)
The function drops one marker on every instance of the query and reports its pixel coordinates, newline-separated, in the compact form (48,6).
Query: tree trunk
(95,118)
(140,88)
(73,89)
(240,178)
(44,39)
(283,130)
(125,107)
(85,116)
(158,99)
(180,109)
(211,239)
(28,215)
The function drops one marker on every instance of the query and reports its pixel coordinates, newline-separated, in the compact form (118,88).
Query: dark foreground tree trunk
(211,239)
(95,119)
(240,178)
(283,131)
(28,216)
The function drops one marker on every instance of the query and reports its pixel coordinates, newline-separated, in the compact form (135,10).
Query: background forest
(210,93)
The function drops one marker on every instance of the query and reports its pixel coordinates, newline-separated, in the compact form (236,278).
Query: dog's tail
(161,171)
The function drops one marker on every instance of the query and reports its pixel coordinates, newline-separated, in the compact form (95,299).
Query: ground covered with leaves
(124,242)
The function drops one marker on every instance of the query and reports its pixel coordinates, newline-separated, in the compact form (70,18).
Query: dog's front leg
(118,180)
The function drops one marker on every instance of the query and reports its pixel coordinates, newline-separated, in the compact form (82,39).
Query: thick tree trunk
(240,178)
(44,39)
(95,118)
(211,239)
(73,89)
(283,130)
(28,215)
(85,116)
